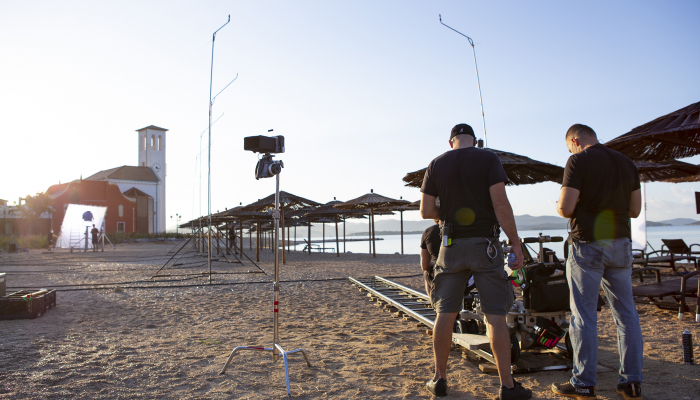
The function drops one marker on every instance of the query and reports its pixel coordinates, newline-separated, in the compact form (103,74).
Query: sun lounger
(670,294)
(678,246)
(667,259)
(316,247)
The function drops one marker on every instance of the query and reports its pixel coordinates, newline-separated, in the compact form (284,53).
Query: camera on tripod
(266,167)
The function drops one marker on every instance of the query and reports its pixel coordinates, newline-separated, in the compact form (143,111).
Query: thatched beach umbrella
(287,201)
(672,136)
(328,210)
(410,207)
(520,170)
(372,201)
(667,171)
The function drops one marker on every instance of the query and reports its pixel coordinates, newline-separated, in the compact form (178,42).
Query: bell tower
(151,141)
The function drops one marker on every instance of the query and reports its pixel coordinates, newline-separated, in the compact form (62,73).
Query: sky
(363,91)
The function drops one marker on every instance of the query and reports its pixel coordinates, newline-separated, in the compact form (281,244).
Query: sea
(391,244)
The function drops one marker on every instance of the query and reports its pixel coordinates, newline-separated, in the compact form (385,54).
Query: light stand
(276,348)
(471,42)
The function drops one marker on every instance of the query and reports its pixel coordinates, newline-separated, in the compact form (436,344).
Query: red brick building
(126,212)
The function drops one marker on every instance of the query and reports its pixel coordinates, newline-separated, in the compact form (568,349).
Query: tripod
(276,348)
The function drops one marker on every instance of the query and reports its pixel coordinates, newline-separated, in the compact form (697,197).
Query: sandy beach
(172,342)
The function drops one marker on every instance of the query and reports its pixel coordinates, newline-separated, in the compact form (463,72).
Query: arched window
(153,142)
(121,210)
(160,143)
(144,142)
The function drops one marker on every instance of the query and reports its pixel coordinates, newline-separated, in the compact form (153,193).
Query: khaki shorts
(457,263)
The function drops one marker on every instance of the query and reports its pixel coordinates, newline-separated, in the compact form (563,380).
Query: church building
(134,195)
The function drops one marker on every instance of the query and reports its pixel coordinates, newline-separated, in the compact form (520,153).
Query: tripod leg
(286,373)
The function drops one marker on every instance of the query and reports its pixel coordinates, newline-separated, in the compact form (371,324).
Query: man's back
(461,178)
(606,180)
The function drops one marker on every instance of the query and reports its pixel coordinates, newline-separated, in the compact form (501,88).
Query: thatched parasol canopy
(415,206)
(520,170)
(287,200)
(675,135)
(668,171)
(372,201)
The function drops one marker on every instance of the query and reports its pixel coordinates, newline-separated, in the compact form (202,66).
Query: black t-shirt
(431,241)
(94,232)
(606,180)
(461,179)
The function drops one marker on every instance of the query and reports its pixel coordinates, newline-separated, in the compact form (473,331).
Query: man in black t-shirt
(429,251)
(600,192)
(470,183)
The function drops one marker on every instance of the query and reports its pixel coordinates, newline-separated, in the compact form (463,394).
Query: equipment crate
(26,305)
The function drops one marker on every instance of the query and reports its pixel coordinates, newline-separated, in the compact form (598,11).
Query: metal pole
(471,42)
(211,77)
(276,288)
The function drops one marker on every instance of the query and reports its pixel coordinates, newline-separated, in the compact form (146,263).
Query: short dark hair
(578,130)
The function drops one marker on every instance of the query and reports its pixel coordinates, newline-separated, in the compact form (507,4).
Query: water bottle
(687,340)
(518,277)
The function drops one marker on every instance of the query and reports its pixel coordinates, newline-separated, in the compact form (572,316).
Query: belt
(465,235)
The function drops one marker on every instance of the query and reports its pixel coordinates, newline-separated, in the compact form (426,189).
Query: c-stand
(276,348)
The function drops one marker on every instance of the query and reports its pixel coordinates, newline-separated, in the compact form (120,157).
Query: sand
(172,342)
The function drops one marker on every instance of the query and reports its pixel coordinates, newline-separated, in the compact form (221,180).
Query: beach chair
(671,251)
(670,294)
(678,246)
(310,247)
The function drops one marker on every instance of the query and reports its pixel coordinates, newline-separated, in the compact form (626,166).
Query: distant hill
(524,222)
(652,223)
(695,223)
(528,222)
(678,221)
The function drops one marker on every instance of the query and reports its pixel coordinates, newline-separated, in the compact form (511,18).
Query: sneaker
(518,392)
(630,390)
(437,388)
(577,392)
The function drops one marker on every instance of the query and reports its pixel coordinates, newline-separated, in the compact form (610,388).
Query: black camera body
(264,144)
(267,167)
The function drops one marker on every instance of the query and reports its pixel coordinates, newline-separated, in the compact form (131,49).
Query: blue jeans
(589,264)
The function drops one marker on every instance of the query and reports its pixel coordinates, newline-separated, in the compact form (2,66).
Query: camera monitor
(264,144)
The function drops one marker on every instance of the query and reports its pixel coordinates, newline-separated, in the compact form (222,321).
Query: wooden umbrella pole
(284,253)
(241,235)
(309,244)
(257,240)
(401,212)
(250,239)
(369,234)
(218,248)
(337,244)
(324,237)
(344,236)
(374,243)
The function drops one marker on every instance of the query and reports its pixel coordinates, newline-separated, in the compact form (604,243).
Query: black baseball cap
(462,129)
